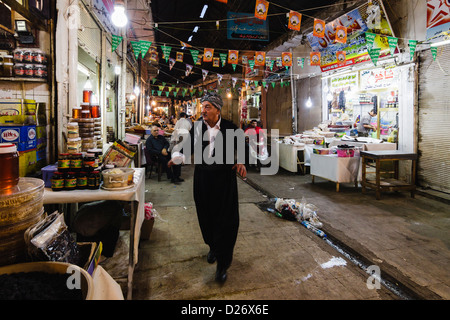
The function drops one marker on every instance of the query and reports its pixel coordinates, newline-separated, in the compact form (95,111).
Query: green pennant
(271,64)
(256,83)
(153,92)
(136,45)
(264,83)
(194,56)
(251,64)
(374,55)
(370,38)
(176,90)
(434,52)
(116,40)
(153,80)
(159,93)
(145,45)
(166,52)
(412,48)
(273,84)
(392,41)
(223,58)
(234,67)
(167,94)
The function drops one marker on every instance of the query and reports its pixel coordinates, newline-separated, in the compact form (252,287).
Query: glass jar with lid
(9,165)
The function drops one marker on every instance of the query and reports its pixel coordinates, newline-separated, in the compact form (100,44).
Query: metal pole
(294,99)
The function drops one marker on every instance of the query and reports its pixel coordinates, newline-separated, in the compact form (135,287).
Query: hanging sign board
(438,19)
(368,18)
(243,26)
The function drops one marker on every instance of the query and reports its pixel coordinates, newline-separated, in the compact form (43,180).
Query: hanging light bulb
(119,18)
(309,103)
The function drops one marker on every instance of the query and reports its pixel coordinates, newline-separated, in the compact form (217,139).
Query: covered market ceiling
(212,24)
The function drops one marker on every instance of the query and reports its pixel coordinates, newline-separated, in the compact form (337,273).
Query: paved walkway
(277,259)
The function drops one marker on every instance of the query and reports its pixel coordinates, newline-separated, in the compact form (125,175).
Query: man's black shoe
(179,180)
(221,274)
(211,257)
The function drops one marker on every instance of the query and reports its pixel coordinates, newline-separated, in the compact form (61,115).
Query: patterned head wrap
(214,99)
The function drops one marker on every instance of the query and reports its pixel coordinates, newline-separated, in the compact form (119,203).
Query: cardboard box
(27,162)
(10,107)
(24,137)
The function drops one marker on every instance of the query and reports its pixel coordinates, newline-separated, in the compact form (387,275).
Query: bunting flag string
(116,40)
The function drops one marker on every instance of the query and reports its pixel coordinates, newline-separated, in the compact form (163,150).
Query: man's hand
(164,152)
(240,169)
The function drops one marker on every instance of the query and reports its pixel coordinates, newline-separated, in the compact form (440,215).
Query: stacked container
(20,208)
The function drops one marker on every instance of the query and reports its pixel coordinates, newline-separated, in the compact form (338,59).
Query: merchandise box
(24,137)
(27,162)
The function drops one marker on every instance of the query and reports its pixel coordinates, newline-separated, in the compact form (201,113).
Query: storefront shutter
(89,37)
(434,120)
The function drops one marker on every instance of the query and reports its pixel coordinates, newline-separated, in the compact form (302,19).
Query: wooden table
(391,184)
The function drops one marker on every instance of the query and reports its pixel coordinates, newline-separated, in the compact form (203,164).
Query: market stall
(135,195)
(336,169)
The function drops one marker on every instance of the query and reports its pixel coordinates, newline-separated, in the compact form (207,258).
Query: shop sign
(242,26)
(379,78)
(343,82)
(438,19)
(366,18)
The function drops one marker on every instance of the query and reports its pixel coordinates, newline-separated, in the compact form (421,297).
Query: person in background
(158,147)
(365,126)
(253,128)
(215,185)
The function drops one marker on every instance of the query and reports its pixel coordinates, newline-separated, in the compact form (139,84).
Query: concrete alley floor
(276,259)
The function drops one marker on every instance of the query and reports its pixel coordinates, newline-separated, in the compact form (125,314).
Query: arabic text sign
(244,26)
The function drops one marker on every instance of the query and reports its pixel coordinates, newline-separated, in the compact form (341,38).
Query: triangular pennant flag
(166,52)
(392,41)
(234,66)
(223,58)
(251,64)
(374,55)
(370,38)
(170,88)
(167,93)
(153,80)
(161,88)
(159,93)
(412,48)
(136,46)
(256,82)
(116,40)
(171,63)
(145,45)
(153,92)
(282,83)
(434,52)
(195,55)
(219,78)
(204,73)
(271,63)
(273,84)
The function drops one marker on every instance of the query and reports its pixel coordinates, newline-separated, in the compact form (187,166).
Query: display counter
(336,169)
(135,195)
(367,144)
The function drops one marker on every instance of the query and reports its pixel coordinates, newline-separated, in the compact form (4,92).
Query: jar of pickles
(58,181)
(64,162)
(76,162)
(70,181)
(94,180)
(82,180)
